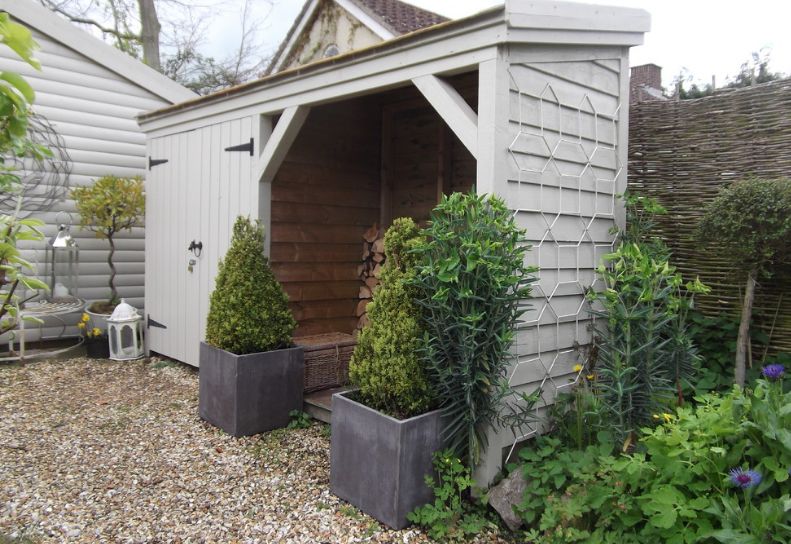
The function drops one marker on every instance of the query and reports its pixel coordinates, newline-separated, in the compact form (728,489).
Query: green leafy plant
(751,220)
(715,471)
(472,284)
(16,97)
(450,518)
(299,420)
(248,309)
(109,206)
(641,212)
(644,354)
(385,364)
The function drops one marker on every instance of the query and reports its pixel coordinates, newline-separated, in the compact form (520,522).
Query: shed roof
(48,23)
(450,47)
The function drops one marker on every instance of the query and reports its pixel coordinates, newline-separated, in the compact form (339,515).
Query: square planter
(249,394)
(379,463)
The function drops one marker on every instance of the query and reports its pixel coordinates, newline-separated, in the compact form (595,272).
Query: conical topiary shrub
(385,365)
(248,311)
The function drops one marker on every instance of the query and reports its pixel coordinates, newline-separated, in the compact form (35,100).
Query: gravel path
(100,451)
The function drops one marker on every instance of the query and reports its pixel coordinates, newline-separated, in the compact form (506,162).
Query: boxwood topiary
(248,310)
(385,364)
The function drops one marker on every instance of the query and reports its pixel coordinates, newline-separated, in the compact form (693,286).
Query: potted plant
(95,339)
(385,433)
(250,374)
(109,206)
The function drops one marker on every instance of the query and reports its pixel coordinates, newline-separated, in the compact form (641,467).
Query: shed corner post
(265,127)
(494,90)
(621,181)
(493,105)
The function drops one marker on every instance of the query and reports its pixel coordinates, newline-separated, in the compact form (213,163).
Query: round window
(331,51)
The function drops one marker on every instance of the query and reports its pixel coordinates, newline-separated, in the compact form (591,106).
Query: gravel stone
(106,451)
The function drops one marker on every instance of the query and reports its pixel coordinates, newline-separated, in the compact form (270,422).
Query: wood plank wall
(323,198)
(327,193)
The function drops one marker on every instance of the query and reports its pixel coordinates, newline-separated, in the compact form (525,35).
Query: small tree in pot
(250,376)
(383,435)
(109,206)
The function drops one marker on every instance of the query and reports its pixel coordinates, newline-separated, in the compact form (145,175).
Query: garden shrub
(717,471)
(472,286)
(248,309)
(751,220)
(385,364)
(644,356)
(450,518)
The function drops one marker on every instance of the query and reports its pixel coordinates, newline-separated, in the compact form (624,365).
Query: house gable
(331,30)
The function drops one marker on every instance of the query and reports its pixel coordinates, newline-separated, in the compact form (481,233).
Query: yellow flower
(81,325)
(85,318)
(96,331)
(591,376)
(655,416)
(667,417)
(577,367)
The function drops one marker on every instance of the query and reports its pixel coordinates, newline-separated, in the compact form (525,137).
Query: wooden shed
(88,95)
(527,101)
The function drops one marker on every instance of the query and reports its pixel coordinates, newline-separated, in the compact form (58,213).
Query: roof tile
(400,17)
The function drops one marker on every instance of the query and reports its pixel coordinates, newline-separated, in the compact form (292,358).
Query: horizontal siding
(93,109)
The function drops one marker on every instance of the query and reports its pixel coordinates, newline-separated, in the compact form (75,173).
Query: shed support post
(452,107)
(276,140)
(493,125)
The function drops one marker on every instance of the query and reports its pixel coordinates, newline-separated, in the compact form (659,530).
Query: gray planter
(249,394)
(379,463)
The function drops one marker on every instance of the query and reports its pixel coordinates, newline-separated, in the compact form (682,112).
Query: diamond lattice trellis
(566,165)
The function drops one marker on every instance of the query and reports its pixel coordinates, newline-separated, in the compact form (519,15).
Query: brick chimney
(645,83)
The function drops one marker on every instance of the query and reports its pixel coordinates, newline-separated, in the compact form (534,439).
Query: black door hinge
(155,162)
(242,147)
(151,323)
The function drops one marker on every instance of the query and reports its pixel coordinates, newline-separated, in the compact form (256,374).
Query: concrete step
(318,404)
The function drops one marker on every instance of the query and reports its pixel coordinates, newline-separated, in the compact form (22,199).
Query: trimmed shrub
(751,220)
(385,364)
(248,311)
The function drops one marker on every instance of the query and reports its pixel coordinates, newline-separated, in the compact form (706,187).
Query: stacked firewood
(369,271)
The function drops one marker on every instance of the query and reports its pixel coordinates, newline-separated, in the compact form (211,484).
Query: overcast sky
(707,37)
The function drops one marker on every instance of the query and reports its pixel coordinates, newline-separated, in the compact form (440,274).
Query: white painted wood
(197,195)
(48,23)
(453,109)
(492,126)
(550,15)
(279,142)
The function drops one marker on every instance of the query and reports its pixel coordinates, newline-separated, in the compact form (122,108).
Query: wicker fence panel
(683,152)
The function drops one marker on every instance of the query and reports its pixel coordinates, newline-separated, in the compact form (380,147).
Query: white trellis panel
(196,195)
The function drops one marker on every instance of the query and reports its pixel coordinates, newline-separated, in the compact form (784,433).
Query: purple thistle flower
(774,371)
(744,478)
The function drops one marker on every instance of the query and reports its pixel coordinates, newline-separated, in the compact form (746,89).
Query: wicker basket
(326,359)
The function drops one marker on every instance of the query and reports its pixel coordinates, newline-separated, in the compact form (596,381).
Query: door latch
(196,248)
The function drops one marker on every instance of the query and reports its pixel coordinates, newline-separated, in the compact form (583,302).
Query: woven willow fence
(683,152)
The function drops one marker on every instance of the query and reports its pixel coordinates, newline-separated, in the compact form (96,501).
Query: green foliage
(450,518)
(644,354)
(299,420)
(676,489)
(751,220)
(248,310)
(641,221)
(385,364)
(472,286)
(16,96)
(109,206)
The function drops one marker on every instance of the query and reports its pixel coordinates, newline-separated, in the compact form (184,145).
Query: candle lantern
(125,333)
(61,266)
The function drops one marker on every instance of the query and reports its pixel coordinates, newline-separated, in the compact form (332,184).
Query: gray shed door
(195,196)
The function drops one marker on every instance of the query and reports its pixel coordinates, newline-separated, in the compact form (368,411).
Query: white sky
(707,37)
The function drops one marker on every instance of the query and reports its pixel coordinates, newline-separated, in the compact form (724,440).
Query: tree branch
(87,21)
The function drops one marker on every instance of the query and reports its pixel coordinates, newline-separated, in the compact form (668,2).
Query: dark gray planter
(249,394)
(379,463)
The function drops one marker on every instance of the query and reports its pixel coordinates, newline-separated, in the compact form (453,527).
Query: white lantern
(125,332)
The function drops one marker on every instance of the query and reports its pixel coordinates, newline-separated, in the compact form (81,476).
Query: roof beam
(278,144)
(450,105)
